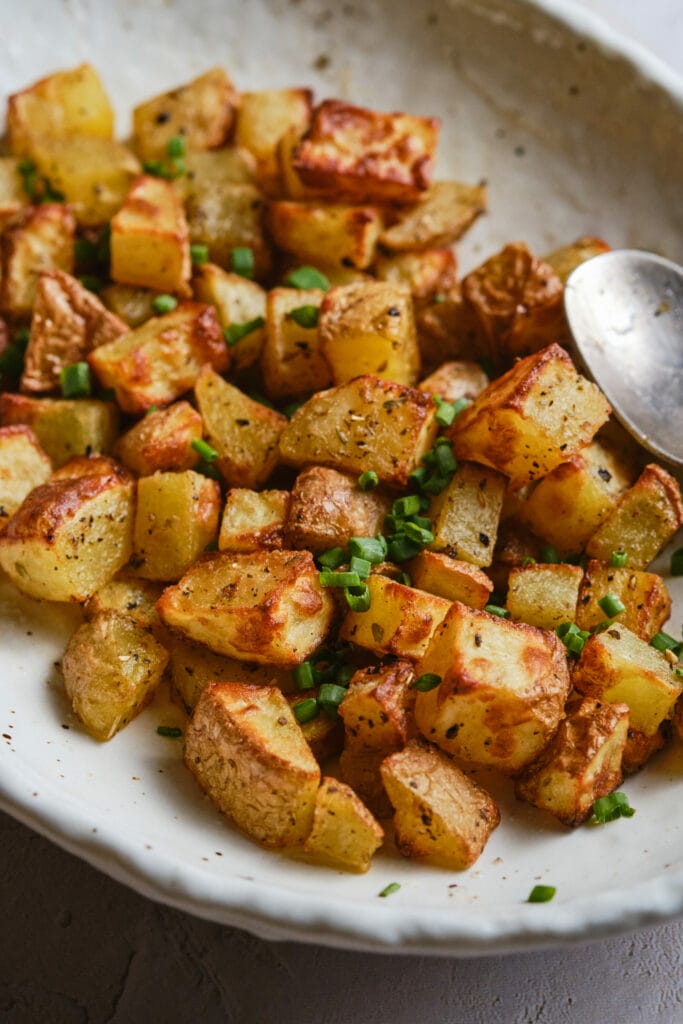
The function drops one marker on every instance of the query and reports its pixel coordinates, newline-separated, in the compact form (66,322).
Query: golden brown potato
(531,419)
(447,577)
(640,748)
(426,274)
(567,258)
(193,666)
(35,239)
(159,361)
(378,708)
(267,606)
(365,155)
(223,217)
(262,119)
(132,305)
(127,595)
(244,432)
(502,691)
(644,595)
(244,747)
(291,360)
(201,112)
(367,424)
(162,441)
(23,466)
(291,184)
(442,816)
(253,520)
(238,302)
(72,534)
(544,595)
(344,834)
(13,195)
(327,508)
(440,218)
(580,764)
(456,379)
(466,514)
(213,168)
(327,232)
(447,329)
(68,322)
(65,427)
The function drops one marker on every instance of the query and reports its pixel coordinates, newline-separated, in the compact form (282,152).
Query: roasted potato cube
(176,516)
(150,240)
(442,215)
(244,432)
(238,302)
(378,708)
(580,764)
(111,667)
(214,168)
(442,816)
(23,466)
(193,666)
(262,119)
(425,273)
(291,184)
(447,577)
(72,534)
(366,155)
(133,305)
(291,360)
(447,328)
(617,666)
(401,620)
(65,103)
(327,508)
(333,233)
(12,192)
(544,595)
(253,520)
(64,426)
(224,217)
(369,328)
(454,380)
(162,441)
(518,302)
(368,423)
(267,606)
(515,546)
(567,258)
(643,594)
(645,518)
(537,415)
(93,174)
(466,514)
(246,750)
(361,769)
(502,692)
(201,112)
(324,734)
(640,748)
(127,595)
(68,322)
(37,238)
(345,834)
(160,360)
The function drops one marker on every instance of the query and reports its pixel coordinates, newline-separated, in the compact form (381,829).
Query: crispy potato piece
(327,508)
(361,769)
(515,546)
(68,322)
(93,174)
(580,764)
(640,748)
(244,432)
(537,415)
(238,301)
(13,195)
(193,666)
(132,305)
(544,595)
(111,667)
(345,834)
(214,168)
(447,328)
(224,217)
(333,233)
(617,666)
(65,427)
(366,155)
(368,423)
(37,238)
(645,519)
(369,328)
(244,747)
(23,466)
(454,380)
(262,119)
(159,361)
(466,514)
(324,734)
(150,238)
(502,692)
(401,620)
(291,184)
(568,257)
(644,595)
(267,606)
(378,708)
(291,359)
(127,595)
(65,103)
(72,534)
(253,520)
(162,441)
(447,577)
(442,816)
(176,516)
(425,273)
(440,218)
(201,111)
(518,302)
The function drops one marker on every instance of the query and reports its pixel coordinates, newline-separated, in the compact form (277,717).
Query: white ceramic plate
(576,133)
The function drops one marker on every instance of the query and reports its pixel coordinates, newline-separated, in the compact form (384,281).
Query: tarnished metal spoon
(625,312)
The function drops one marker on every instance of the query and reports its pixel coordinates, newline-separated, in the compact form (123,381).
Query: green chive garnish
(339,579)
(496,609)
(427,681)
(549,555)
(401,548)
(242,262)
(305,278)
(368,481)
(306,709)
(172,731)
(303,676)
(618,559)
(389,889)
(665,642)
(612,605)
(611,807)
(541,894)
(460,404)
(199,254)
(204,450)
(164,303)
(344,675)
(445,413)
(305,316)
(358,598)
(407,506)
(330,696)
(404,579)
(332,558)
(176,146)
(74,380)
(235,332)
(360,565)
(374,549)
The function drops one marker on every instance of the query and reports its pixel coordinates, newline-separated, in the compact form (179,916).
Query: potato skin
(327,508)
(36,238)
(162,441)
(23,466)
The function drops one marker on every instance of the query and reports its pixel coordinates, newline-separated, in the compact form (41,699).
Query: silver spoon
(625,312)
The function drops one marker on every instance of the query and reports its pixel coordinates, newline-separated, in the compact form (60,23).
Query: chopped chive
(575,643)
(388,890)
(330,696)
(204,450)
(678,672)
(406,506)
(676,567)
(332,558)
(344,675)
(199,254)
(176,146)
(618,559)
(29,175)
(374,549)
(358,598)
(426,682)
(610,807)
(303,676)
(446,463)
(172,731)
(460,404)
(605,624)
(177,167)
(527,560)
(242,262)
(306,710)
(665,642)
(405,579)
(360,565)
(368,481)
(208,469)
(496,609)
(435,484)
(417,533)
(235,332)
(611,605)
(157,168)
(164,303)
(305,278)
(418,476)
(445,413)
(401,548)
(74,380)
(339,579)
(541,894)
(549,555)
(305,316)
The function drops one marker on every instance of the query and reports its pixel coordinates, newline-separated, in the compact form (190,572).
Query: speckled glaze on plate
(576,132)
